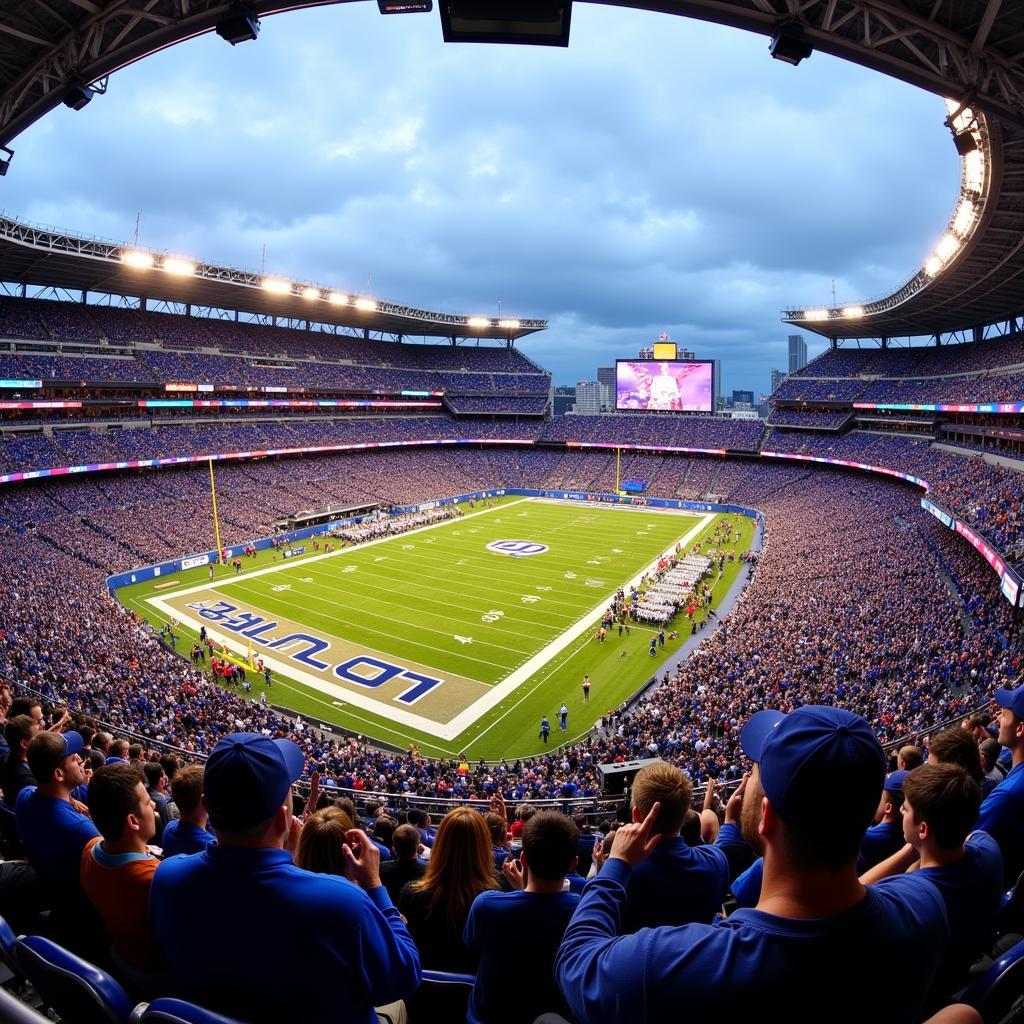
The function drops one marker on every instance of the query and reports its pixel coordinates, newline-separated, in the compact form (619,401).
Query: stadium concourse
(861,603)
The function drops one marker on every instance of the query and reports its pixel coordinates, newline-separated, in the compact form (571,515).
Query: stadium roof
(970,50)
(43,257)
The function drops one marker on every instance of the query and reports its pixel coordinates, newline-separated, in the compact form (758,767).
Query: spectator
(321,846)
(156,786)
(18,732)
(677,883)
(885,837)
(187,833)
(54,834)
(1002,812)
(909,758)
(990,766)
(117,870)
(406,866)
(529,921)
(940,806)
(817,937)
(956,746)
(347,941)
(461,867)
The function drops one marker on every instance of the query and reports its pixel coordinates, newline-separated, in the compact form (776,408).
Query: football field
(457,636)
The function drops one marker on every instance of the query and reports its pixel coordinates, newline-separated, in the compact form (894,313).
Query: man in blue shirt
(187,833)
(817,941)
(518,932)
(677,883)
(238,919)
(940,807)
(1002,812)
(885,838)
(54,833)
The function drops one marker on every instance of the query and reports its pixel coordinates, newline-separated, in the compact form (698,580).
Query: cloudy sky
(659,175)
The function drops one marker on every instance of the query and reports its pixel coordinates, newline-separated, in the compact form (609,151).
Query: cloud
(659,174)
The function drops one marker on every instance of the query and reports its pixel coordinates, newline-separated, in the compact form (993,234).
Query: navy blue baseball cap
(247,778)
(894,781)
(1012,699)
(819,766)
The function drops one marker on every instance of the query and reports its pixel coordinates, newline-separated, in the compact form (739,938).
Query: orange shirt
(118,887)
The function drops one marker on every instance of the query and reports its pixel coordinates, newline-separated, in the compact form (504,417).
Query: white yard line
(390,711)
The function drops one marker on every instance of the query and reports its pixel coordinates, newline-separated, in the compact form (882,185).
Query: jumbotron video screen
(659,385)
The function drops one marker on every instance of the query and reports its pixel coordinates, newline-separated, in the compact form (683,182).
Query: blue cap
(116,760)
(1012,699)
(819,766)
(894,781)
(73,743)
(247,778)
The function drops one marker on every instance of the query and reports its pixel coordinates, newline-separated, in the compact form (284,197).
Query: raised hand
(363,859)
(513,872)
(735,804)
(634,843)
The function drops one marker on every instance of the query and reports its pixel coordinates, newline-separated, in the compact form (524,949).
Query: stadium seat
(177,1011)
(14,1011)
(995,994)
(442,996)
(8,953)
(74,988)
(9,842)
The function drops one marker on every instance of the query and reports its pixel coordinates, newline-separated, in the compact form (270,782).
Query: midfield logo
(516,548)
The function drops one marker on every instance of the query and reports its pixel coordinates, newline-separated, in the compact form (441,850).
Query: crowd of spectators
(711,432)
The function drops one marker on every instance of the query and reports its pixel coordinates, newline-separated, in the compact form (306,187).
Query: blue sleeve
(747,887)
(992,816)
(471,933)
(601,974)
(729,835)
(389,961)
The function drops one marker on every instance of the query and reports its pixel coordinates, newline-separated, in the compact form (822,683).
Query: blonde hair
(320,842)
(461,864)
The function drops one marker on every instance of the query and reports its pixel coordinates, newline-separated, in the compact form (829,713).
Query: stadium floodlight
(184,268)
(974,171)
(309,292)
(532,22)
(338,298)
(478,321)
(947,246)
(509,325)
(790,43)
(815,314)
(366,305)
(276,285)
(933,266)
(239,25)
(137,258)
(964,217)
(853,311)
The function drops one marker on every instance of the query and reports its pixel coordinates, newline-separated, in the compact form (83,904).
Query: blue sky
(660,174)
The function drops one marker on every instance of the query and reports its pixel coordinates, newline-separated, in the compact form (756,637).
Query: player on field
(563,717)
(586,688)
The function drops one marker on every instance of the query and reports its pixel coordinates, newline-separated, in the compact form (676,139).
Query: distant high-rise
(590,397)
(778,376)
(718,384)
(797,352)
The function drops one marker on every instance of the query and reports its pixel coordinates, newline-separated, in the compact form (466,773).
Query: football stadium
(329,633)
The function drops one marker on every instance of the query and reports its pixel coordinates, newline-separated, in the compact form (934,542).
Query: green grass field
(493,642)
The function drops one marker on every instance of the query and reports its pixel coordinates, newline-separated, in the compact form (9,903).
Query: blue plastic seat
(995,992)
(177,1011)
(76,989)
(8,955)
(448,978)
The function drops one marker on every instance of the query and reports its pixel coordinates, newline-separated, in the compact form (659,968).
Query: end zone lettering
(362,670)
